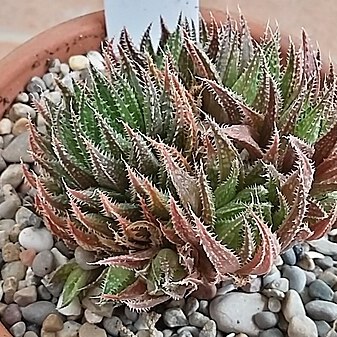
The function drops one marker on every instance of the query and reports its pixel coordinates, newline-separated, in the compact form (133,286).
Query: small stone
(112,325)
(83,257)
(11,204)
(310,277)
(3,164)
(302,326)
(225,288)
(324,246)
(292,305)
(274,274)
(5,126)
(92,318)
(38,239)
(43,293)
(314,255)
(54,97)
(20,126)
(253,286)
(96,59)
(174,317)
(236,319)
(10,252)
(18,329)
(168,332)
(27,256)
(12,175)
(43,263)
(265,320)
(70,329)
(281,284)
(322,310)
(17,149)
(4,237)
(306,263)
(208,330)
(25,296)
(274,305)
(194,331)
(78,62)
(191,306)
(273,293)
(319,289)
(322,328)
(49,80)
(10,285)
(22,97)
(11,314)
(131,315)
(305,297)
(289,257)
(19,110)
(59,258)
(36,84)
(25,217)
(89,330)
(64,68)
(198,319)
(296,277)
(38,311)
(15,268)
(325,263)
(6,225)
(52,323)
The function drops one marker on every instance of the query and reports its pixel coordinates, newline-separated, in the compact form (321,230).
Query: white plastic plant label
(136,15)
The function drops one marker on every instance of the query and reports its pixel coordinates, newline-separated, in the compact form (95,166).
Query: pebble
(289,257)
(236,319)
(324,246)
(49,80)
(27,256)
(30,334)
(90,330)
(4,238)
(92,318)
(25,296)
(20,126)
(302,326)
(198,319)
(322,328)
(296,277)
(208,330)
(38,239)
(37,312)
(131,315)
(174,317)
(18,329)
(191,306)
(19,110)
(292,305)
(55,97)
(274,305)
(43,263)
(70,329)
(266,320)
(25,217)
(12,175)
(17,149)
(78,62)
(5,126)
(274,274)
(253,286)
(64,69)
(281,284)
(111,325)
(11,204)
(72,309)
(319,289)
(10,285)
(274,332)
(325,263)
(15,268)
(321,310)
(36,84)
(310,277)
(22,97)
(11,314)
(194,331)
(306,263)
(52,323)
(10,252)
(83,257)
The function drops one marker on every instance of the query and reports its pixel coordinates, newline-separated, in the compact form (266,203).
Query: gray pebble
(36,85)
(321,310)
(253,286)
(192,329)
(184,333)
(203,307)
(131,315)
(191,305)
(208,330)
(25,217)
(43,293)
(112,325)
(15,268)
(319,289)
(12,175)
(54,66)
(18,149)
(12,314)
(266,320)
(305,296)
(22,97)
(64,69)
(83,257)
(25,296)
(198,319)
(274,305)
(18,329)
(43,263)
(274,332)
(289,257)
(168,333)
(310,277)
(274,274)
(328,277)
(19,110)
(49,80)
(37,312)
(326,262)
(292,305)
(3,164)
(282,284)
(296,277)
(322,328)
(302,326)
(174,317)
(273,293)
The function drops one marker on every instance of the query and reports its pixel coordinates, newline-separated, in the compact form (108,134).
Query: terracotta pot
(4,332)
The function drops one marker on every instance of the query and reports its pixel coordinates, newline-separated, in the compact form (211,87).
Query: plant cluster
(184,166)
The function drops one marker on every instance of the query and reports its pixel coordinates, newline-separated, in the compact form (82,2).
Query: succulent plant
(188,165)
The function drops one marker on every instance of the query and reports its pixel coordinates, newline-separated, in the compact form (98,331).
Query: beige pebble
(78,62)
(5,126)
(52,323)
(20,126)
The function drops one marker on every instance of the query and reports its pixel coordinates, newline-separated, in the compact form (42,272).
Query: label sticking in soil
(136,15)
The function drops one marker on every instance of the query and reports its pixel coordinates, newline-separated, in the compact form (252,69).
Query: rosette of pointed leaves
(182,167)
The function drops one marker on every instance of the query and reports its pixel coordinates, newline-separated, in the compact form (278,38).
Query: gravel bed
(298,298)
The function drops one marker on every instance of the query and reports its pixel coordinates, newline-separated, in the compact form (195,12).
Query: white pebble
(5,126)
(96,59)
(314,255)
(78,62)
(72,309)
(37,238)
